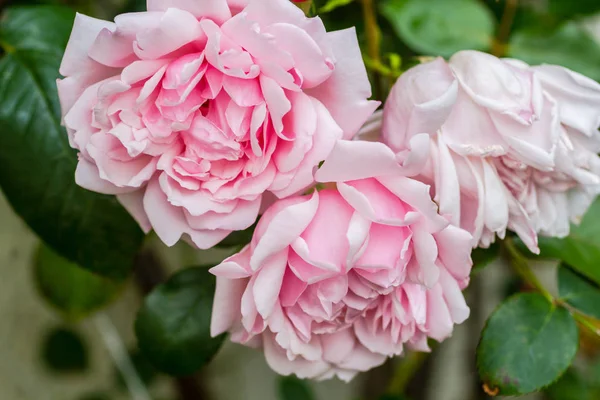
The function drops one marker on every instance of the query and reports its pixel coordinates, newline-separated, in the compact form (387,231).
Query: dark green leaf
(173,325)
(135,6)
(238,238)
(570,46)
(74,291)
(393,397)
(441,27)
(482,257)
(64,351)
(570,386)
(527,344)
(581,249)
(36,163)
(579,292)
(292,388)
(568,8)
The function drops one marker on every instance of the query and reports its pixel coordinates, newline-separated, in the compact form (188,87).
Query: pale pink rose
(335,282)
(511,146)
(191,111)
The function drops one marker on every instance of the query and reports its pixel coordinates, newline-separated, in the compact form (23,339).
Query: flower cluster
(192,112)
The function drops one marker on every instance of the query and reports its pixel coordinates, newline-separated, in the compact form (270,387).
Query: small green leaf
(75,292)
(64,351)
(571,386)
(173,325)
(570,46)
(579,292)
(292,388)
(393,397)
(37,165)
(527,344)
(581,249)
(441,27)
(482,257)
(333,4)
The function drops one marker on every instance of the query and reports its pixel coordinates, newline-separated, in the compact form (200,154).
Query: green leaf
(393,397)
(441,27)
(527,344)
(482,257)
(564,9)
(64,351)
(570,386)
(579,292)
(75,292)
(173,325)
(292,388)
(135,6)
(581,249)
(570,46)
(36,163)
(333,4)
(238,238)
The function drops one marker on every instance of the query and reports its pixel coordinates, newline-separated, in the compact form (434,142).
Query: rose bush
(511,146)
(335,282)
(191,111)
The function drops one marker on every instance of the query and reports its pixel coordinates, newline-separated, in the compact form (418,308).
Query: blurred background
(46,353)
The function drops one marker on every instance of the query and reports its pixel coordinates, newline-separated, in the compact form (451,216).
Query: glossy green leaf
(37,165)
(482,257)
(173,325)
(581,249)
(292,388)
(570,46)
(527,344)
(441,27)
(579,292)
(64,351)
(333,4)
(571,386)
(74,291)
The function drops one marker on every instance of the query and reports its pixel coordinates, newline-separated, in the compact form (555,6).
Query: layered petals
(197,109)
(335,282)
(510,146)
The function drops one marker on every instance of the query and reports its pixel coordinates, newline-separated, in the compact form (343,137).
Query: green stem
(373,36)
(381,69)
(405,370)
(508,16)
(521,266)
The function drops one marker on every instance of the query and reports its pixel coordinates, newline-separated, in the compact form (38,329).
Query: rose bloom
(191,111)
(335,282)
(510,146)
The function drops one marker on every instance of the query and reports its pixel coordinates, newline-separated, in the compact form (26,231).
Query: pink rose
(191,111)
(335,282)
(511,146)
